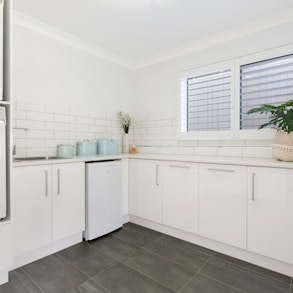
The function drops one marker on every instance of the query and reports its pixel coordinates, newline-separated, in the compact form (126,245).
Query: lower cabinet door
(180,198)
(31,207)
(270,212)
(68,197)
(222,203)
(146,192)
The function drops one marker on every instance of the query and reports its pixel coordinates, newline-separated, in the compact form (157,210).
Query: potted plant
(281,117)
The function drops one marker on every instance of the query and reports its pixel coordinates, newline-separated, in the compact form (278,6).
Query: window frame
(207,135)
(235,132)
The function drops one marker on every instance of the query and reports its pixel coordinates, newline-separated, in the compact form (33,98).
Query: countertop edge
(253,162)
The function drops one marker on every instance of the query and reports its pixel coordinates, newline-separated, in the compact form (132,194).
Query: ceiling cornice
(235,33)
(225,36)
(51,32)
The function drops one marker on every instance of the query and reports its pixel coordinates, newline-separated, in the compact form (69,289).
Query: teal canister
(86,148)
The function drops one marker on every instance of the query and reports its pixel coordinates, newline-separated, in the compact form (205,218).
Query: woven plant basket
(284,138)
(282,152)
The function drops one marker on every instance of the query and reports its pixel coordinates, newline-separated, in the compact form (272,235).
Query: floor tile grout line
(109,291)
(148,276)
(181,247)
(242,268)
(141,232)
(214,254)
(132,242)
(115,258)
(196,273)
(193,276)
(196,250)
(30,277)
(226,284)
(88,276)
(71,265)
(168,259)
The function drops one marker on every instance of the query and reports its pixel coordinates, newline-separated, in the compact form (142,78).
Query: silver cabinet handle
(176,166)
(157,175)
(46,183)
(58,181)
(221,170)
(253,184)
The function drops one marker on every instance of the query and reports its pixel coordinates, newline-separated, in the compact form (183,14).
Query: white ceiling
(138,31)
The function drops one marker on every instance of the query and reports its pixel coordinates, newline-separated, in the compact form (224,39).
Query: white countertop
(258,162)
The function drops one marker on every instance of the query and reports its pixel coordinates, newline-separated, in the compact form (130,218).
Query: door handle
(177,166)
(221,170)
(253,186)
(157,175)
(46,183)
(58,181)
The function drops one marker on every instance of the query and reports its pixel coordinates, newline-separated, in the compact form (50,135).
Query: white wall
(47,70)
(157,87)
(52,78)
(57,87)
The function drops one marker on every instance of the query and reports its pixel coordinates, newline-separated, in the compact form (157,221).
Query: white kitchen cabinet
(270,212)
(180,199)
(31,207)
(222,203)
(146,187)
(48,204)
(68,188)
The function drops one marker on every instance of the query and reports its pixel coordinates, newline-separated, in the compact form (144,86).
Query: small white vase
(125,143)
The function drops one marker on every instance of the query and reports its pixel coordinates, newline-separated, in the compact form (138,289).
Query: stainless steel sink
(21,159)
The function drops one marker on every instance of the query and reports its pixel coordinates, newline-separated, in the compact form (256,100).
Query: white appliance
(103,198)
(2,164)
(1,47)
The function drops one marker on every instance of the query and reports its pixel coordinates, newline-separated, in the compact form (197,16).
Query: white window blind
(206,101)
(265,82)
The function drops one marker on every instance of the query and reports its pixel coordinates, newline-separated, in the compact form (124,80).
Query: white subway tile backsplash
(40,134)
(168,123)
(19,114)
(86,121)
(152,130)
(57,126)
(205,151)
(33,143)
(78,127)
(85,135)
(53,143)
(184,151)
(229,151)
(50,125)
(257,152)
(30,125)
(64,135)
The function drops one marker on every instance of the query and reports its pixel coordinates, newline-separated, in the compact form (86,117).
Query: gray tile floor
(136,259)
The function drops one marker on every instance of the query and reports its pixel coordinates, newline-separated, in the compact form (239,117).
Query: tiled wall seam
(49,125)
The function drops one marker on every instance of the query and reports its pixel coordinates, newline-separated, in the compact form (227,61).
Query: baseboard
(26,258)
(256,259)
(3,277)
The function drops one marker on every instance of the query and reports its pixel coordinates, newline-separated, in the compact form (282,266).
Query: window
(214,99)
(265,82)
(206,101)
